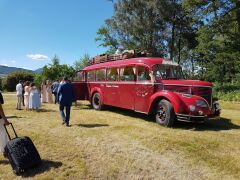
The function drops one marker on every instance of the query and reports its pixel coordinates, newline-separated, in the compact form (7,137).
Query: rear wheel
(96,101)
(165,115)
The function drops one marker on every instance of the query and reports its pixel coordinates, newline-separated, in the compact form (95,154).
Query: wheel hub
(161,113)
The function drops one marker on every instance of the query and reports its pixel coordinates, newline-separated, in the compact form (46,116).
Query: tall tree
(217,36)
(55,70)
(82,62)
(148,25)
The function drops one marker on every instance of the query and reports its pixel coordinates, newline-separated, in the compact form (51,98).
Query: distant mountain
(4,70)
(39,70)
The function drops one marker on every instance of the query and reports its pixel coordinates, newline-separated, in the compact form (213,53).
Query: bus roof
(149,61)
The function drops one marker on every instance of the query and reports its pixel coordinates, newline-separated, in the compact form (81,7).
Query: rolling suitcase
(21,152)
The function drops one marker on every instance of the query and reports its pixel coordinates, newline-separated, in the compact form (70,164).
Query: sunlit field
(121,144)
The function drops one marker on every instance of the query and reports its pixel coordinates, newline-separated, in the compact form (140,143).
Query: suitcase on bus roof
(21,152)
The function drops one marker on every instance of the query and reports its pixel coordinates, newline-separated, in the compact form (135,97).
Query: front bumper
(196,119)
(213,113)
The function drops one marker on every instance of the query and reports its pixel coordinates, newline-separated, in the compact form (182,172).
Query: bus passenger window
(127,74)
(143,74)
(91,76)
(112,74)
(80,76)
(100,75)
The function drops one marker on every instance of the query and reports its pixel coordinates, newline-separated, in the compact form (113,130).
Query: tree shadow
(46,165)
(92,125)
(210,125)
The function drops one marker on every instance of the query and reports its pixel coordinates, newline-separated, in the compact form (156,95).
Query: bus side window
(91,76)
(101,75)
(112,74)
(143,74)
(80,76)
(127,74)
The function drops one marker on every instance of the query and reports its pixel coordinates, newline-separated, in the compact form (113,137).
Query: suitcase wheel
(18,171)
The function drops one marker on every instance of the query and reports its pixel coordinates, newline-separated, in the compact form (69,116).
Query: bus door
(144,89)
(80,86)
(111,90)
(126,86)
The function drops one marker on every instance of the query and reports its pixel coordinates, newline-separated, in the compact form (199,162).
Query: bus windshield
(162,71)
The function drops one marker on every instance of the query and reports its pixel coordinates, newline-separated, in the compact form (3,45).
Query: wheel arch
(155,102)
(172,97)
(96,90)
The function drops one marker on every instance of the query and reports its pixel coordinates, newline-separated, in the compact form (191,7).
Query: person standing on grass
(34,98)
(3,121)
(44,92)
(54,88)
(65,97)
(23,92)
(49,92)
(19,89)
(26,95)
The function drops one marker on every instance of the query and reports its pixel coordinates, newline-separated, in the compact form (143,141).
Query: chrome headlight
(192,108)
(201,103)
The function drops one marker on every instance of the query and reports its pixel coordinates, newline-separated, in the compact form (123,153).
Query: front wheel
(96,101)
(165,115)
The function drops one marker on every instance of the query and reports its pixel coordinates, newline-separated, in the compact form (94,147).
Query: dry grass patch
(120,144)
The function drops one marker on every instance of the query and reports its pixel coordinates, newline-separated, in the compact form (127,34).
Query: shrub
(227,91)
(13,78)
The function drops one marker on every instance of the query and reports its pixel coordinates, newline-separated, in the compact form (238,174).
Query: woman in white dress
(3,120)
(34,98)
(49,92)
(44,92)
(26,95)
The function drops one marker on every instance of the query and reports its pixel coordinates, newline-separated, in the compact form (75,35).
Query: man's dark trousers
(55,96)
(65,116)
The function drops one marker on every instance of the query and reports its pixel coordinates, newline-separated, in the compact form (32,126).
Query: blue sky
(33,31)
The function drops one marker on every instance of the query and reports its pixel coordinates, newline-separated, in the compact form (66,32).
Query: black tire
(165,115)
(96,101)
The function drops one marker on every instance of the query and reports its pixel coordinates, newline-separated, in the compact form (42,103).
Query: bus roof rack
(126,54)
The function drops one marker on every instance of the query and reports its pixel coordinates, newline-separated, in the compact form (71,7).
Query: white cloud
(27,68)
(4,64)
(13,62)
(37,57)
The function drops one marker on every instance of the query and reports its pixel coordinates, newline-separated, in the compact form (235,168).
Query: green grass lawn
(121,144)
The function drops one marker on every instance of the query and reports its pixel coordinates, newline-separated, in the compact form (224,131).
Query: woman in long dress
(3,120)
(34,98)
(26,95)
(49,92)
(44,92)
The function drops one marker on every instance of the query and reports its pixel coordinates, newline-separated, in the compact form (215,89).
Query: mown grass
(121,144)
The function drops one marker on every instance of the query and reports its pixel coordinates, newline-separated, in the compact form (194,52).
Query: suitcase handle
(8,132)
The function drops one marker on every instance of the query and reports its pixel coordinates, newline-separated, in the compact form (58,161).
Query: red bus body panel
(141,95)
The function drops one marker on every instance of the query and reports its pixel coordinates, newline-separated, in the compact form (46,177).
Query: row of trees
(53,71)
(203,36)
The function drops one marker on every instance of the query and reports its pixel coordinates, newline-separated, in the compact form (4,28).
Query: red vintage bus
(147,85)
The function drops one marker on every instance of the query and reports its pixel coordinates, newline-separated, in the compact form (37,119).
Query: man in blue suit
(65,96)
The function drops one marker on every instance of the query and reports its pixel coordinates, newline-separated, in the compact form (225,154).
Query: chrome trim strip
(188,115)
(145,83)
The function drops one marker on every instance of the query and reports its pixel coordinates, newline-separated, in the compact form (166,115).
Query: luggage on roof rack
(126,54)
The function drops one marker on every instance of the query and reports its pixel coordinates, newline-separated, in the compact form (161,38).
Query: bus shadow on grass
(209,125)
(129,113)
(46,165)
